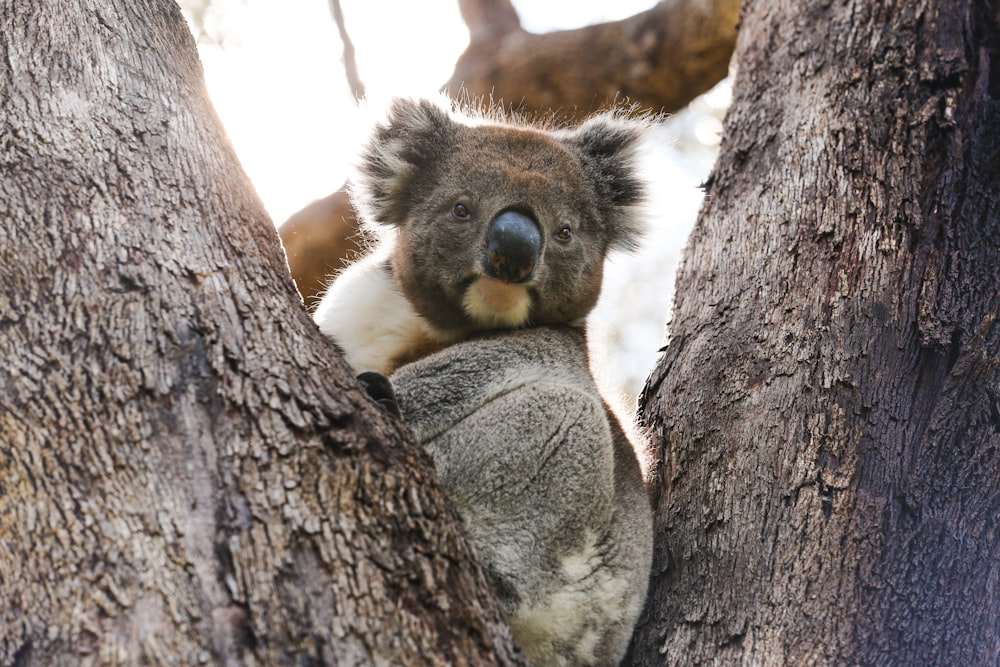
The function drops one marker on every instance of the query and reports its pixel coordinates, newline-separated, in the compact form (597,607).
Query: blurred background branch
(348,59)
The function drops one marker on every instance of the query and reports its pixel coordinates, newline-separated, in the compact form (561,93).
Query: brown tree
(320,240)
(188,472)
(827,412)
(661,58)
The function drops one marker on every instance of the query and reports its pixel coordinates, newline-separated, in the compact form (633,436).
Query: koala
(493,241)
(483,225)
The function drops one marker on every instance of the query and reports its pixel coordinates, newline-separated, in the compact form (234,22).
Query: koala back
(493,240)
(548,485)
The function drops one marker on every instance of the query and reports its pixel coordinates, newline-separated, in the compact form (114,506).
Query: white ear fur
(393,154)
(616,152)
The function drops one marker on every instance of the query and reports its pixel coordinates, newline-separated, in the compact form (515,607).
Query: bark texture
(188,472)
(828,408)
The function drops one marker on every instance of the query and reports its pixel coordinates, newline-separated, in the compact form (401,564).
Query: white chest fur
(367,315)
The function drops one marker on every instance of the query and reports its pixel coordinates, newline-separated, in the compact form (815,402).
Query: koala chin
(493,236)
(497,304)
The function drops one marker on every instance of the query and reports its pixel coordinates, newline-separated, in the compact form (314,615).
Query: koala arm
(521,444)
(535,448)
(445,388)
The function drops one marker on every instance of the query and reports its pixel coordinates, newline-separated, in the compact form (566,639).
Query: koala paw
(380,390)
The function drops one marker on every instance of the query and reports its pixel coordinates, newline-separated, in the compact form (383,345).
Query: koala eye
(565,234)
(461,212)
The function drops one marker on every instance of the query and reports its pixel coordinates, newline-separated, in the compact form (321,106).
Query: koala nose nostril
(512,247)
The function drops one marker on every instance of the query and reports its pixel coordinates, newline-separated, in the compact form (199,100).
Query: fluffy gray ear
(405,143)
(609,146)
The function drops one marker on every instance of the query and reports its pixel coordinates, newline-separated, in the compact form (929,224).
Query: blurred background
(275,72)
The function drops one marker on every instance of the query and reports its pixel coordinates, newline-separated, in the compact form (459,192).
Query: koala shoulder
(366,314)
(437,391)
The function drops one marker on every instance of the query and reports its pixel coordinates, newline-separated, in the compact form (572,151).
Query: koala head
(499,224)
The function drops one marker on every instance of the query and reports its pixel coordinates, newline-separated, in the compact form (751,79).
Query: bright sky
(280,90)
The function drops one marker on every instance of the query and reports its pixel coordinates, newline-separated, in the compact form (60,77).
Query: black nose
(512,247)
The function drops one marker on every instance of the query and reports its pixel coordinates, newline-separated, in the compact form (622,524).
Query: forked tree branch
(489,20)
(661,58)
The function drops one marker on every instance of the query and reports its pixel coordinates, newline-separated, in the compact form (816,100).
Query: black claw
(380,390)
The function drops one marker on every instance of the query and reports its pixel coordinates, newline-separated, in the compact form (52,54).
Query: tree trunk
(828,408)
(188,472)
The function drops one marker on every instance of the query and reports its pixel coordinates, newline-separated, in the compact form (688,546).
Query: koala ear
(407,142)
(609,146)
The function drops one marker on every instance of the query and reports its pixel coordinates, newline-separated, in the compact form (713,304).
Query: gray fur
(541,472)
(492,374)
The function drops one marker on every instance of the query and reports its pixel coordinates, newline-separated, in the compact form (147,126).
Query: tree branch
(349,59)
(320,240)
(489,21)
(661,58)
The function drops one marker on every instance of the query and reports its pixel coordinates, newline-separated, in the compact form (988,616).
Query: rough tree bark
(828,408)
(661,59)
(188,473)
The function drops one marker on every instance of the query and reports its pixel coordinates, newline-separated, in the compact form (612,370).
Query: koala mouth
(496,303)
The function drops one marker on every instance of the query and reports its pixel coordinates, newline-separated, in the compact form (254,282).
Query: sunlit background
(275,75)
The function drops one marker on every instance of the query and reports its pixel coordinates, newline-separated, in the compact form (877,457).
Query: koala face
(500,225)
